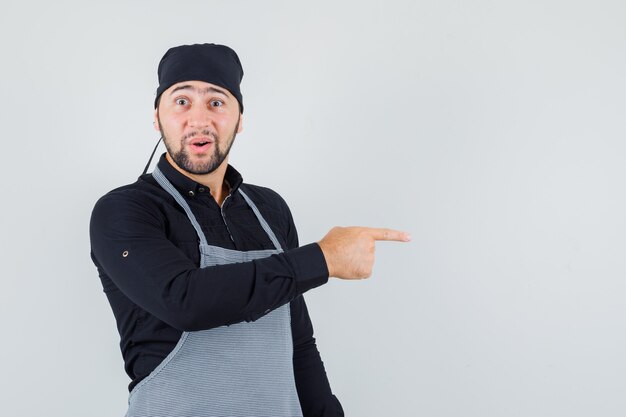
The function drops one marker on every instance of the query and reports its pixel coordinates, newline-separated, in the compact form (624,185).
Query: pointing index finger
(389,234)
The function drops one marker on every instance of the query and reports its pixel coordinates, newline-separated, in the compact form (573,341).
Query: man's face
(198,122)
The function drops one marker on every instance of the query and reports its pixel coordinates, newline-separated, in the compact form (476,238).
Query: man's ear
(155,124)
(240,123)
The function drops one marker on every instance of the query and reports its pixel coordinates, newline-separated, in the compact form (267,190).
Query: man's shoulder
(264,196)
(143,193)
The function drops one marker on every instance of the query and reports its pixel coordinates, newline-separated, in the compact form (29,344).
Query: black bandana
(215,64)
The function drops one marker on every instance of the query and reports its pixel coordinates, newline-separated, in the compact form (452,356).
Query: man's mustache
(205,132)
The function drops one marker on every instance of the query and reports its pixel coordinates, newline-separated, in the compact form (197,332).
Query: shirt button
(201,189)
(191,193)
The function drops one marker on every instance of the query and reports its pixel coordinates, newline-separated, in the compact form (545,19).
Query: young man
(204,272)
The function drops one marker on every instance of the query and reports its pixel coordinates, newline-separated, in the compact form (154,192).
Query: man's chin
(201,168)
(199,164)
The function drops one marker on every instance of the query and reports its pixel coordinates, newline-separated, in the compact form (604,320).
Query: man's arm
(129,245)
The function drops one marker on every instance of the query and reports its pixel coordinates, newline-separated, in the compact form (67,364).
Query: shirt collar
(188,187)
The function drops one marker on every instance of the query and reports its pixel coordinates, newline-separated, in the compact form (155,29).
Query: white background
(493,131)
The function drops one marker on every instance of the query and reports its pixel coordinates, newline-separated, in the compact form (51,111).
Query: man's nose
(199,116)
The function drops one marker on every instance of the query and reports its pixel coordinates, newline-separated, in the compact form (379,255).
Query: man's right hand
(349,251)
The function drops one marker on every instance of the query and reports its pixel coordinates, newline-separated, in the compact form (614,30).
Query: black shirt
(147,255)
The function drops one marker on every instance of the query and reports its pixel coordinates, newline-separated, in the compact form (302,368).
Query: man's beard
(182,159)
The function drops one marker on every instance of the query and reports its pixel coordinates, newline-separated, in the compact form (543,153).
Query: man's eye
(216,103)
(181,101)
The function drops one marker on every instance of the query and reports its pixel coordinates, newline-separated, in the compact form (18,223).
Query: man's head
(198,105)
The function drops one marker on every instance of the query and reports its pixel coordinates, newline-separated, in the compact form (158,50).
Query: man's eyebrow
(215,90)
(203,91)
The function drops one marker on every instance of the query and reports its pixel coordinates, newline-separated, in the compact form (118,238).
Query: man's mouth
(200,146)
(200,142)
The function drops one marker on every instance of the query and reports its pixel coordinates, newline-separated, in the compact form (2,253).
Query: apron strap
(152,156)
(167,186)
(264,224)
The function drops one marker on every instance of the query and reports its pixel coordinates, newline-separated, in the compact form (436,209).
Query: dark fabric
(146,252)
(215,64)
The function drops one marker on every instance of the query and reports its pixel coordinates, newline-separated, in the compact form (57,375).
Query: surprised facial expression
(198,122)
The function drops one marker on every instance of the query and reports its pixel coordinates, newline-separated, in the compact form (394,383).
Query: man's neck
(214,180)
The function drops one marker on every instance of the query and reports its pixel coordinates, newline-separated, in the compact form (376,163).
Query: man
(204,273)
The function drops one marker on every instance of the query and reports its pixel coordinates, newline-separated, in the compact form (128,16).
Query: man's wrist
(309,265)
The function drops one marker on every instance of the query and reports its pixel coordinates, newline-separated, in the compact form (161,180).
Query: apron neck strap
(167,186)
(152,156)
(264,225)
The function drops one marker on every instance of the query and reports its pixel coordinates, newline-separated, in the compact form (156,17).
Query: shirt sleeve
(314,392)
(129,245)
